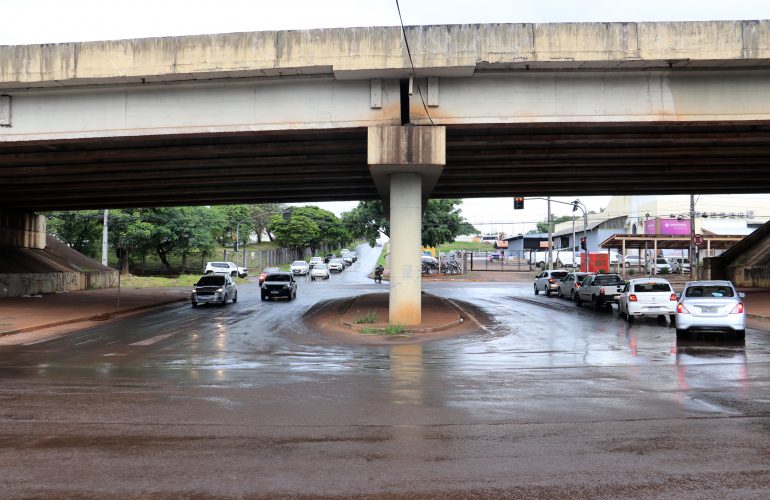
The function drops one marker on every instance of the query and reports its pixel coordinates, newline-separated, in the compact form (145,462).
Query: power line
(414,71)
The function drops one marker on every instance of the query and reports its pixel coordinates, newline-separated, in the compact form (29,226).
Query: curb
(95,317)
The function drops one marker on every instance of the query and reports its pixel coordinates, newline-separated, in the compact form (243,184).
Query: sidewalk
(27,314)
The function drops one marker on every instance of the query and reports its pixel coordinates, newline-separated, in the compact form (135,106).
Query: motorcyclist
(378,273)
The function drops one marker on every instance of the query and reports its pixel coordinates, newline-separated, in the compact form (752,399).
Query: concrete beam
(378,52)
(22,230)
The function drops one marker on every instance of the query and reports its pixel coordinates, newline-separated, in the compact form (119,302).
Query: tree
(296,232)
(367,221)
(129,232)
(236,221)
(542,227)
(441,221)
(261,215)
(80,229)
(332,232)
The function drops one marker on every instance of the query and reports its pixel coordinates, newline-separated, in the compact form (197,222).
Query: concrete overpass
(543,109)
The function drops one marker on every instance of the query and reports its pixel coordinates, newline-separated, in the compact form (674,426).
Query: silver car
(569,285)
(712,306)
(216,288)
(548,281)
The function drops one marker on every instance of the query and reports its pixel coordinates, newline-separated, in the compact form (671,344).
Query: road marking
(153,340)
(114,354)
(86,341)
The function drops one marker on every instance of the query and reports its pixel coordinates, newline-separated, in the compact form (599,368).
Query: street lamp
(575,205)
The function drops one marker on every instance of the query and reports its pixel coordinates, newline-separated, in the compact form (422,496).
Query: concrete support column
(22,230)
(405,245)
(405,163)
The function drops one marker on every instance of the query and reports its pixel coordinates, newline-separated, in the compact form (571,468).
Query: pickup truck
(601,290)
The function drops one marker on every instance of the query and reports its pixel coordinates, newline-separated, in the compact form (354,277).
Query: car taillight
(551,281)
(681,309)
(601,291)
(738,309)
(673,297)
(632,298)
(577,285)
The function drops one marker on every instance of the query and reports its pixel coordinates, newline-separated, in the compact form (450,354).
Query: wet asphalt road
(546,400)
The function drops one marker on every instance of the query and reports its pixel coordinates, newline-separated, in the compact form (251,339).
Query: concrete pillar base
(22,230)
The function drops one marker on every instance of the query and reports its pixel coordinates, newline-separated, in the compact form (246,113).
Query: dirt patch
(364,320)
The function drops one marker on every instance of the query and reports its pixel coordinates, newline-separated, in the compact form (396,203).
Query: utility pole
(550,237)
(693,271)
(105,245)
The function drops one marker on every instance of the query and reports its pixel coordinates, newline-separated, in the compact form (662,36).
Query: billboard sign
(668,227)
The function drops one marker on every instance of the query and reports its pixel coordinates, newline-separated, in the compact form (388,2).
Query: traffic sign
(697,240)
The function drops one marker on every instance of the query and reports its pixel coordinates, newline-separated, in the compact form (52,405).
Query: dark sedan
(279,284)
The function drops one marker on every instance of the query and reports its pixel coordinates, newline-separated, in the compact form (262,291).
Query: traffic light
(582,242)
(518,203)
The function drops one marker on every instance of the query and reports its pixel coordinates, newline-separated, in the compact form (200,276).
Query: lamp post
(575,205)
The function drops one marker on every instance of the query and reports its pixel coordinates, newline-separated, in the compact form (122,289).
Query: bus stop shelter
(655,242)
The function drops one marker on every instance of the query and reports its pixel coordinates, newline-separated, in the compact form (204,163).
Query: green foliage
(261,215)
(388,330)
(371,317)
(310,226)
(367,221)
(80,229)
(542,227)
(441,221)
(234,220)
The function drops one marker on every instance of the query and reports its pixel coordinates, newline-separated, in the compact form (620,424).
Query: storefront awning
(642,241)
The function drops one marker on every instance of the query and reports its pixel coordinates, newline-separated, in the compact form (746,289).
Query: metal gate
(502,260)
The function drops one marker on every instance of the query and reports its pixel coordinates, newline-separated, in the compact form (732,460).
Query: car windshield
(298,263)
(335,261)
(610,279)
(558,274)
(220,264)
(709,291)
(662,261)
(581,276)
(652,287)
(320,266)
(278,277)
(211,281)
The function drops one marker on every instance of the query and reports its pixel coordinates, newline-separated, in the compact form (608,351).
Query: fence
(194,263)
(503,260)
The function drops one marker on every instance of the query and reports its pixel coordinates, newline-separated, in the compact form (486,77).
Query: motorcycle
(378,274)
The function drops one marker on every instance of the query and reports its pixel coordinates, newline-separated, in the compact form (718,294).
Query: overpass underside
(482,160)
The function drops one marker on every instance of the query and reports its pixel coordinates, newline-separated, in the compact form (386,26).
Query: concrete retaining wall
(749,276)
(17,285)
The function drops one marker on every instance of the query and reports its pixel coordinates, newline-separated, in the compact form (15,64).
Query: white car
(660,265)
(335,264)
(300,267)
(710,305)
(647,297)
(314,261)
(319,271)
(548,281)
(227,268)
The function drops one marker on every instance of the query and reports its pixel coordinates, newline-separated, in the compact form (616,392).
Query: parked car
(279,284)
(319,271)
(679,265)
(571,283)
(336,265)
(647,297)
(216,288)
(660,265)
(632,261)
(601,290)
(300,267)
(229,268)
(548,281)
(266,271)
(711,305)
(315,260)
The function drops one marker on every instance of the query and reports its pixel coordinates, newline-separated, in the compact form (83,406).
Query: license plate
(617,297)
(274,292)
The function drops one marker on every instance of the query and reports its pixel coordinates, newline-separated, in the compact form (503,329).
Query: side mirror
(741,295)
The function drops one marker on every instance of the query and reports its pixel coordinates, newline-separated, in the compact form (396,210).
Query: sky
(56,21)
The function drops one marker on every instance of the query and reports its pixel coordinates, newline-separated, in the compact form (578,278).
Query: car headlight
(194,290)
(285,287)
(264,287)
(219,290)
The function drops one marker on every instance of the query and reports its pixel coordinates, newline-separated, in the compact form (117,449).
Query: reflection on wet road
(545,390)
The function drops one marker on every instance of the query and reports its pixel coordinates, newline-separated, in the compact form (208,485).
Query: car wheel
(672,320)
(597,304)
(264,298)
(739,334)
(559,294)
(233,274)
(577,300)
(536,290)
(194,304)
(629,318)
(680,333)
(547,291)
(235,298)
(224,300)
